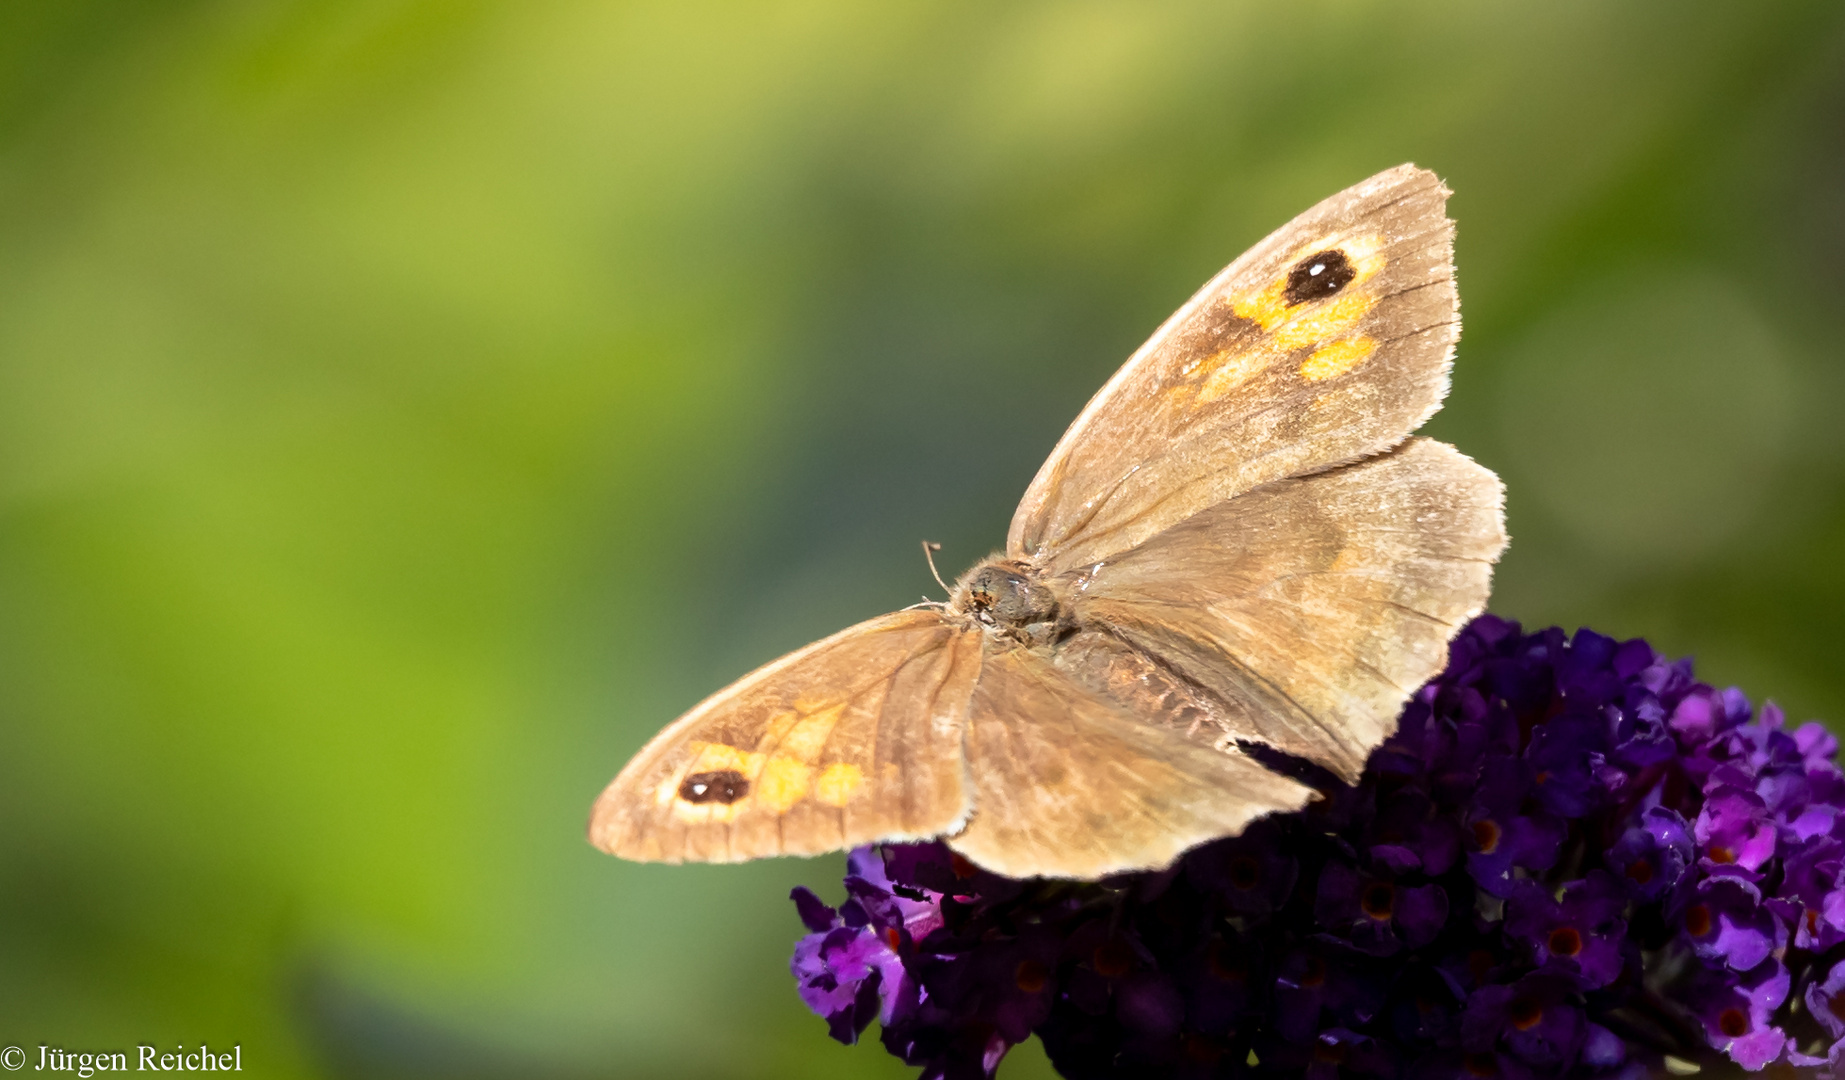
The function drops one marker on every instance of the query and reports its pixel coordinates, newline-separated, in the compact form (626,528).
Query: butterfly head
(1005,595)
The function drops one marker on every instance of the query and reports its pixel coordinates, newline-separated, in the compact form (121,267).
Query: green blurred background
(408,407)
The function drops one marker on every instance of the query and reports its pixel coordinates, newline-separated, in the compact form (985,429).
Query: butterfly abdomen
(1116,671)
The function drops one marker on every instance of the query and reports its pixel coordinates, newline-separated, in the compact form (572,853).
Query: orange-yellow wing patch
(1327,342)
(854,739)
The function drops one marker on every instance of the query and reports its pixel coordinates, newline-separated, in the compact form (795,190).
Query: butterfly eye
(1320,274)
(726,786)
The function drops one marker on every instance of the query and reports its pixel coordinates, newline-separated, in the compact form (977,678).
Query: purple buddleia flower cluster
(1572,859)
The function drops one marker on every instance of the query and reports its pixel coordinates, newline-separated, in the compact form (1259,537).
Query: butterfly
(1236,544)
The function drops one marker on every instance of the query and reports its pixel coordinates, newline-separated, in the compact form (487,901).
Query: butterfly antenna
(930,547)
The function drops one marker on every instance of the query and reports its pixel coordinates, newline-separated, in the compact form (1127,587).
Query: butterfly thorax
(1007,596)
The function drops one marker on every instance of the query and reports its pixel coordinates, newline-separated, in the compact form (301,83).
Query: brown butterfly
(1235,543)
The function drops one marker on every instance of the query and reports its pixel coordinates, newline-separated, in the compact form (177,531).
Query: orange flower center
(1733,1022)
(1225,967)
(1564,941)
(1030,976)
(1112,959)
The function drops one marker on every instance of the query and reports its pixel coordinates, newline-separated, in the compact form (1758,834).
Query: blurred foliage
(407,407)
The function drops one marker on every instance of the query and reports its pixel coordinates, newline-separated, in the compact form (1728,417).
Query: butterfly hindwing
(1326,342)
(1068,785)
(853,739)
(1307,611)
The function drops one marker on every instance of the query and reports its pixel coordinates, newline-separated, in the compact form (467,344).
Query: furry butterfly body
(1237,542)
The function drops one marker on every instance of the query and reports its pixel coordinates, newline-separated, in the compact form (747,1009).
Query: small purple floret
(1652,854)
(1578,938)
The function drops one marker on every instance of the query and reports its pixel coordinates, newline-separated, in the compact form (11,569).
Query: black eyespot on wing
(726,786)
(1320,274)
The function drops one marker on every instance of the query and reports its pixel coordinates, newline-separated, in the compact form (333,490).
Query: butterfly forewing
(853,739)
(1328,341)
(1306,612)
(1068,785)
